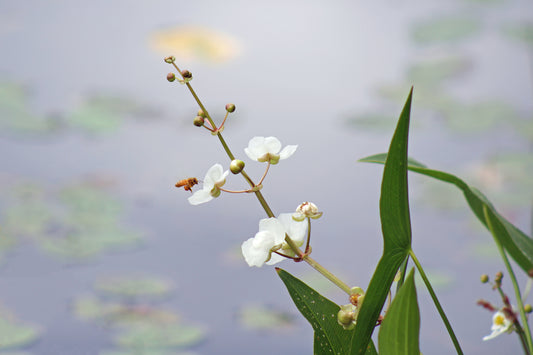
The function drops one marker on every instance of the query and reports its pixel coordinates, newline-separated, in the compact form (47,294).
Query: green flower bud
(171,77)
(528,308)
(484,278)
(236,166)
(230,107)
(198,121)
(201,113)
(170,59)
(347,316)
(186,74)
(498,277)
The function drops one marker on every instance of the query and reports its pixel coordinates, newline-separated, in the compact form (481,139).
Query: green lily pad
(374,121)
(144,352)
(480,115)
(134,287)
(264,318)
(14,334)
(432,72)
(439,279)
(445,29)
(520,31)
(160,336)
(94,119)
(486,251)
(429,98)
(15,113)
(118,314)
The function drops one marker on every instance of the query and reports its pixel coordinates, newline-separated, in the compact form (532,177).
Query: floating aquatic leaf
(440,279)
(94,119)
(445,29)
(374,121)
(196,43)
(134,287)
(479,116)
(520,31)
(14,334)
(440,196)
(114,313)
(160,336)
(487,251)
(145,352)
(15,113)
(430,98)
(264,318)
(432,72)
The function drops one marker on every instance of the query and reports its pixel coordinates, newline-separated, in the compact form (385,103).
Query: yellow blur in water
(192,43)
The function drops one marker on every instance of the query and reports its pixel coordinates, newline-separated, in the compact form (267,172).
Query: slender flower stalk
(437,303)
(256,188)
(523,331)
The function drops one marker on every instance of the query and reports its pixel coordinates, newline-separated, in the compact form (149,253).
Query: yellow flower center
(499,320)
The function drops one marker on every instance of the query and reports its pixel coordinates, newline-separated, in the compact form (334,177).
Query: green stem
(338,282)
(437,303)
(520,305)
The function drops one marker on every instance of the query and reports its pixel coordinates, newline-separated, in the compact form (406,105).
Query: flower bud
(306,210)
(530,273)
(230,107)
(236,166)
(201,113)
(347,316)
(198,121)
(171,77)
(484,278)
(186,74)
(528,308)
(170,59)
(498,277)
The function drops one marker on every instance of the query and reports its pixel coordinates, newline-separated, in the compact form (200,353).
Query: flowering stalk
(524,333)
(256,187)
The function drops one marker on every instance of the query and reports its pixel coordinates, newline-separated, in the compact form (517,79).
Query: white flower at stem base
(500,324)
(268,149)
(213,180)
(271,237)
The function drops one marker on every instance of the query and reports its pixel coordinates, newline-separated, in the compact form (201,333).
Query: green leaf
(154,336)
(264,318)
(400,330)
(396,228)
(330,337)
(516,242)
(14,334)
(445,29)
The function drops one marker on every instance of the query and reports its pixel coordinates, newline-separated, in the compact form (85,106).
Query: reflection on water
(94,139)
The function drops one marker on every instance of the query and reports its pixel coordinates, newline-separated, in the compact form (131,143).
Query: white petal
(274,259)
(256,148)
(287,151)
(252,255)
(296,230)
(213,174)
(200,196)
(273,226)
(272,145)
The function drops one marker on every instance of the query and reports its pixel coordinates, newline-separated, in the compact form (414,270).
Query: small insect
(187,184)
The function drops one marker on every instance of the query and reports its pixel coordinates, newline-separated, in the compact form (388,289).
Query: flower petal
(256,148)
(272,145)
(200,196)
(287,151)
(296,230)
(252,255)
(273,226)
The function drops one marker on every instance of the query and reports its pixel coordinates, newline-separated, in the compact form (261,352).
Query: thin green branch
(525,326)
(437,303)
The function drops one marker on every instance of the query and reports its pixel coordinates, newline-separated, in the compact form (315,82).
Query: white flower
(271,237)
(214,179)
(500,324)
(268,149)
(306,210)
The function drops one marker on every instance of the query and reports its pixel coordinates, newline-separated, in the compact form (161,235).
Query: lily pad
(439,279)
(480,116)
(486,251)
(428,98)
(445,29)
(373,121)
(94,119)
(264,318)
(15,113)
(193,43)
(432,72)
(520,31)
(160,336)
(119,314)
(145,352)
(134,287)
(14,334)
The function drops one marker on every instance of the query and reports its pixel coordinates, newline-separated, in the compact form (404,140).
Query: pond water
(95,237)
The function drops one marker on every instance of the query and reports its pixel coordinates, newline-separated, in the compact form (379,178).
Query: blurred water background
(101,254)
